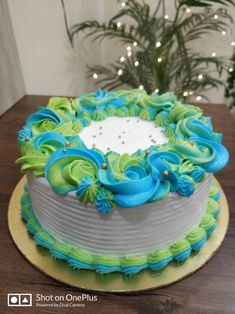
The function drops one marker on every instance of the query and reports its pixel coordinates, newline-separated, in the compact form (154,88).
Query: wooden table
(209,290)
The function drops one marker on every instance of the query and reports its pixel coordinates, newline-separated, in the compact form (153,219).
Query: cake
(120,181)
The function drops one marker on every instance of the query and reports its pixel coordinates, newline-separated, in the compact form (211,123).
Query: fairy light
(141,87)
(198,98)
(136,63)
(129,53)
(156,90)
(216,16)
(128,48)
(135,43)
(230,69)
(120,72)
(200,77)
(122,59)
(166,17)
(233,43)
(185,94)
(188,10)
(119,24)
(158,44)
(213,54)
(123,4)
(95,76)
(223,33)
(159,59)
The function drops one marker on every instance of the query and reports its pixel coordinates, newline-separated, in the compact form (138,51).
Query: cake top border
(50,146)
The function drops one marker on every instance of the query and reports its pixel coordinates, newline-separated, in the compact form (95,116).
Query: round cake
(120,181)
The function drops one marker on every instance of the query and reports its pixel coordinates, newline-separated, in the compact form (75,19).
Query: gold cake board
(115,282)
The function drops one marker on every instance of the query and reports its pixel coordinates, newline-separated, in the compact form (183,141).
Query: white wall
(11,79)
(50,66)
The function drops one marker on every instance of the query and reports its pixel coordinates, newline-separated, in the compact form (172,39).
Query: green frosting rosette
(74,169)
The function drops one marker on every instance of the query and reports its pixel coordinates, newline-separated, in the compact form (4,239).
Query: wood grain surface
(209,290)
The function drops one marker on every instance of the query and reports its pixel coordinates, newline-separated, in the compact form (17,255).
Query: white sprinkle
(128,48)
(135,43)
(213,54)
(233,43)
(166,17)
(123,4)
(230,69)
(223,33)
(198,98)
(188,10)
(119,24)
(216,16)
(159,59)
(95,76)
(136,63)
(185,94)
(141,87)
(156,90)
(129,53)
(190,92)
(122,59)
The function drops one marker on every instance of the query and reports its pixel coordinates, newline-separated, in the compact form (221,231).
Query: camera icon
(19,299)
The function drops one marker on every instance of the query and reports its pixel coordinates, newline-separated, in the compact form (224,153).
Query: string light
(156,90)
(128,48)
(216,16)
(136,63)
(185,94)
(230,69)
(158,44)
(95,76)
(120,72)
(129,53)
(135,43)
(141,87)
(166,17)
(233,43)
(159,59)
(213,54)
(223,33)
(200,77)
(119,24)
(198,98)
(122,59)
(123,4)
(188,10)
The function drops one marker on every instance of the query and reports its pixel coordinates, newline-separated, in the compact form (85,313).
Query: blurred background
(39,56)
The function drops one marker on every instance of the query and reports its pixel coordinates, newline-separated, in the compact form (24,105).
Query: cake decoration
(51,146)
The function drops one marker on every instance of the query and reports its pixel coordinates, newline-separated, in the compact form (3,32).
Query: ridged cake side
(79,258)
(140,230)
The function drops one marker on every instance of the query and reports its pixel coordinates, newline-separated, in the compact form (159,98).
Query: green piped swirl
(98,115)
(160,255)
(67,105)
(196,235)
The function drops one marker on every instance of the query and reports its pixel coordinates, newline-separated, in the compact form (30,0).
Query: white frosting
(125,230)
(122,135)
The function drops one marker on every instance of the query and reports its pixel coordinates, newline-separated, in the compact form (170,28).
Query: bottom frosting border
(78,258)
